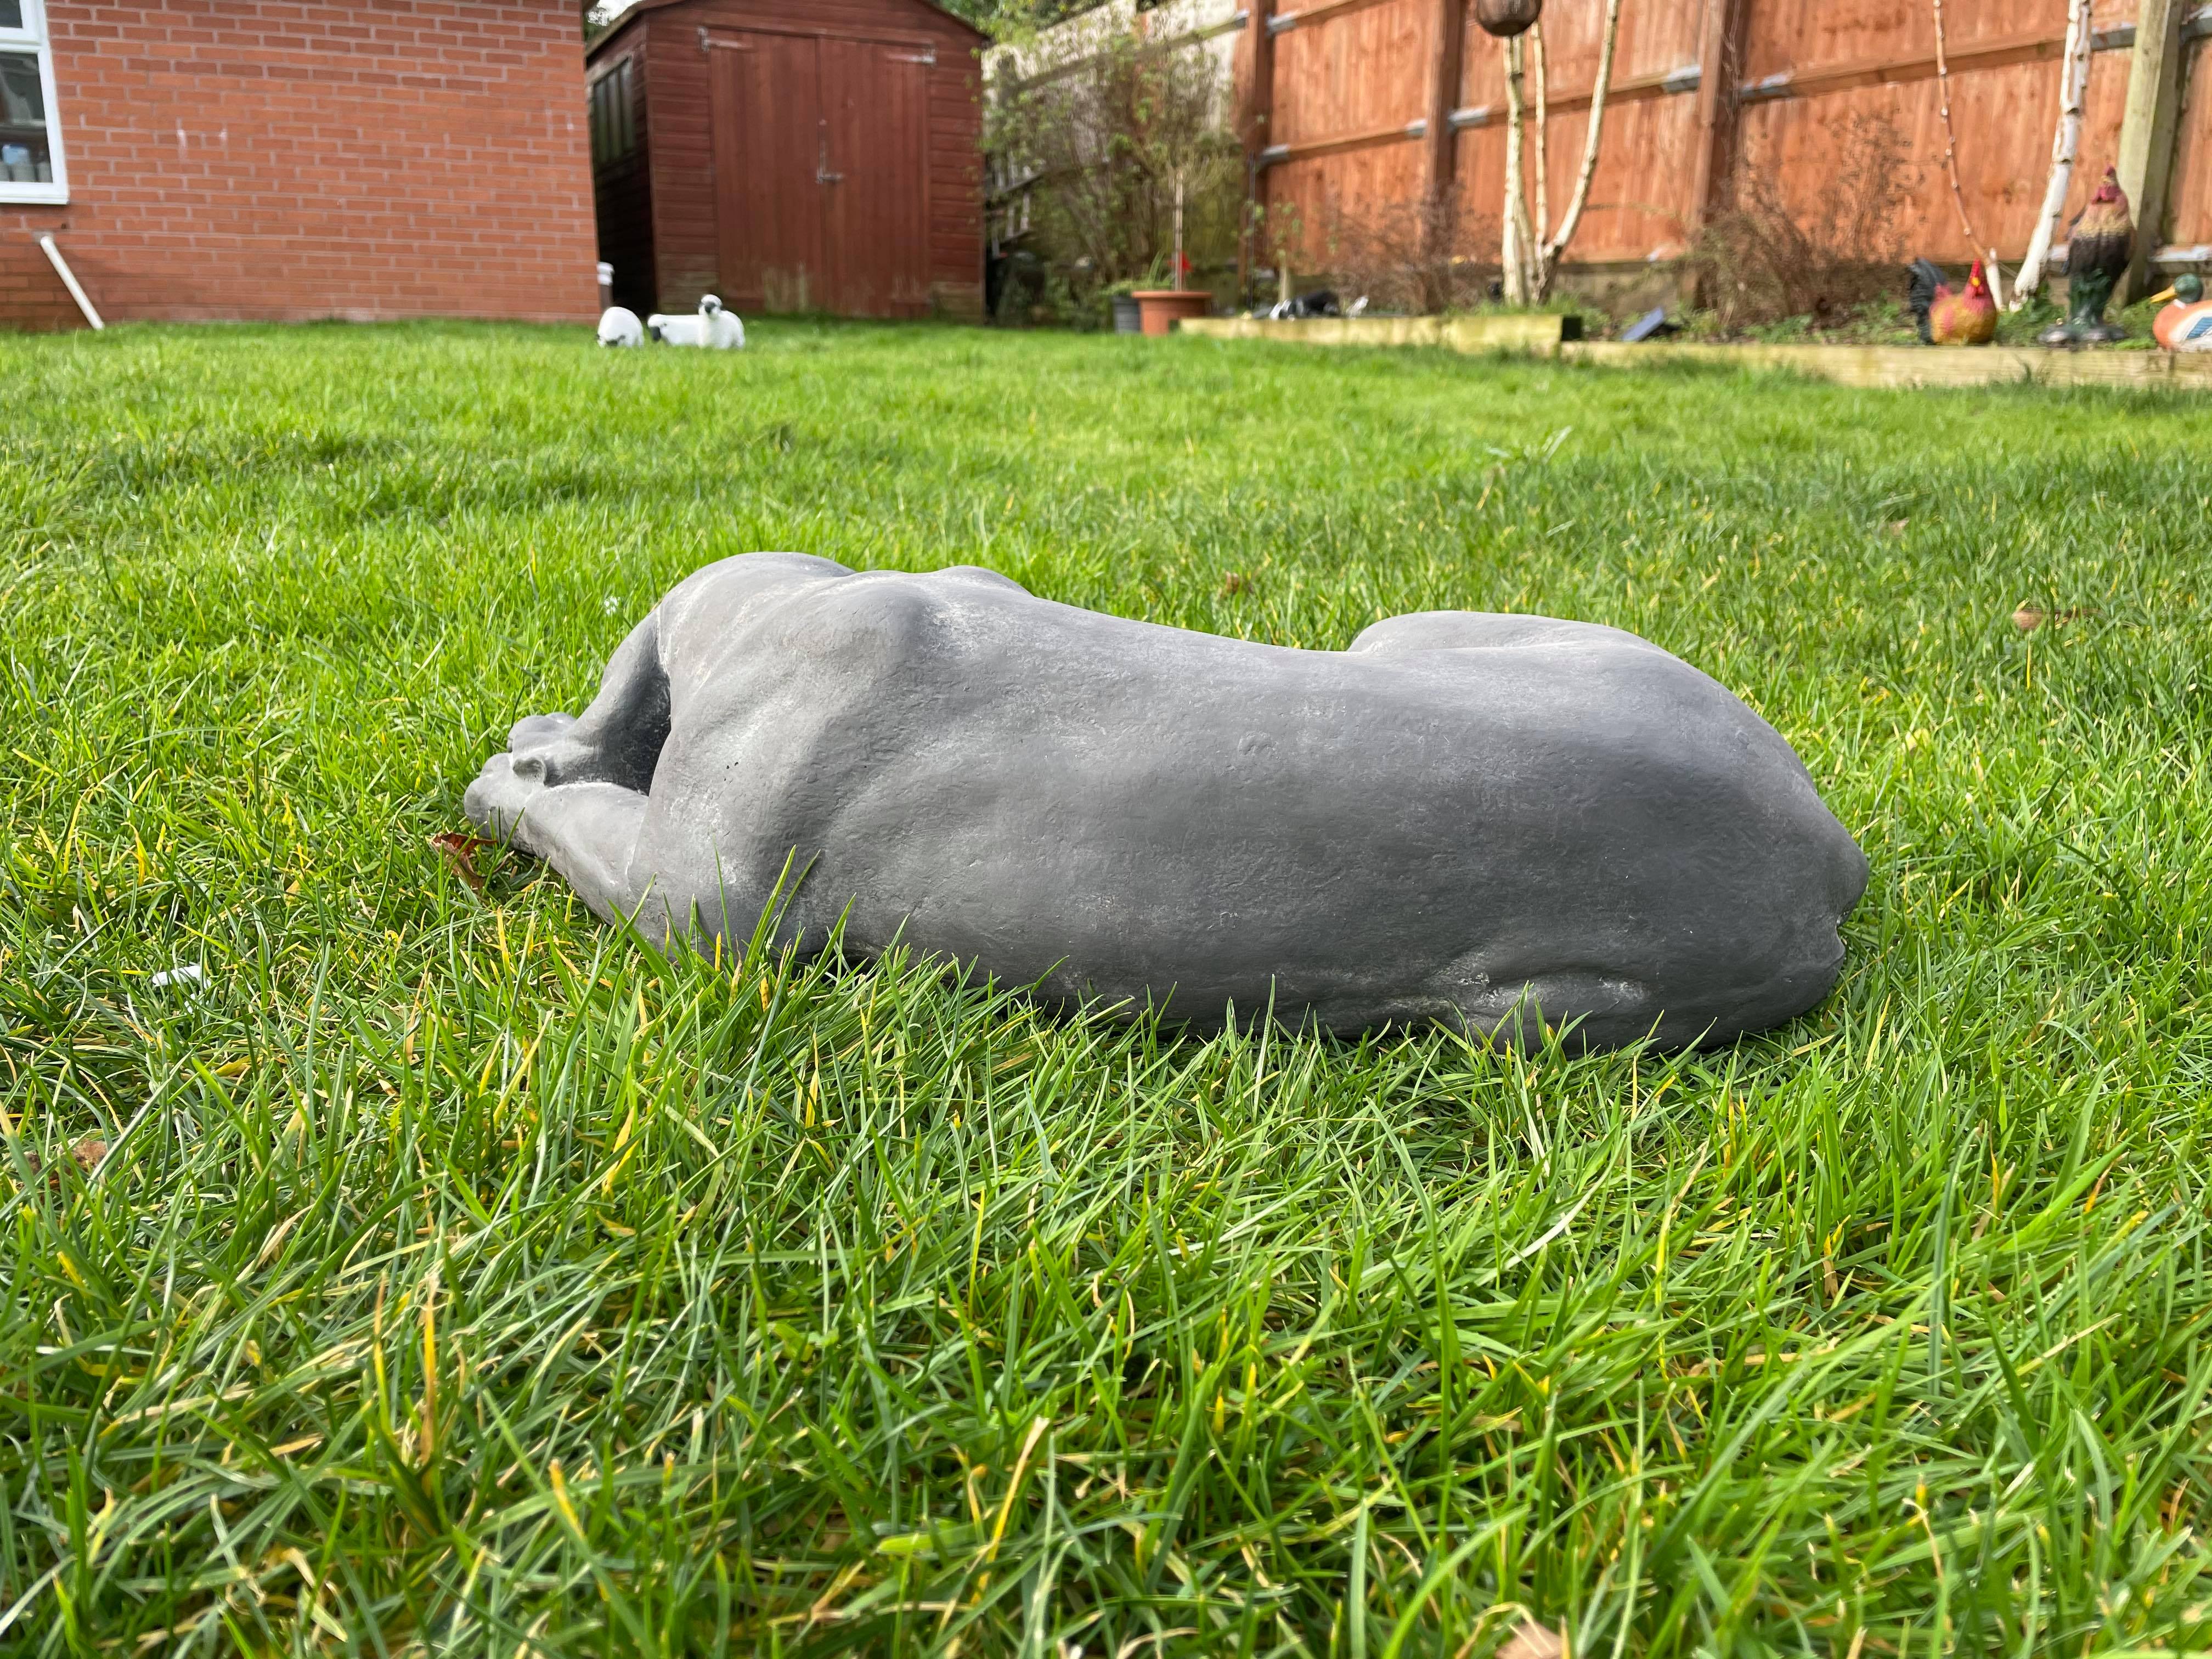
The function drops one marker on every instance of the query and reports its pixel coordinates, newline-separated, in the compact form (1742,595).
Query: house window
(30,146)
(614,114)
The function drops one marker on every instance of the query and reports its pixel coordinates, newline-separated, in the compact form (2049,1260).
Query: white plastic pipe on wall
(70,282)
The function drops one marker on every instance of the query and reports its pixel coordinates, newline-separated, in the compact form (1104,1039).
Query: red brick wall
(297,159)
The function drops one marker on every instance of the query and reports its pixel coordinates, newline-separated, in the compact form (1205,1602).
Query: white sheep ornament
(713,327)
(619,327)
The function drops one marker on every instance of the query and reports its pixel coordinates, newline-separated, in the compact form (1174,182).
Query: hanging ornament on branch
(1951,160)
(1507,18)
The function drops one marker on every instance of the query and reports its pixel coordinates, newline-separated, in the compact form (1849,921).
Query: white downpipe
(70,282)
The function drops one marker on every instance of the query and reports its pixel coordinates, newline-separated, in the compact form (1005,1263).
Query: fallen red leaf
(459,851)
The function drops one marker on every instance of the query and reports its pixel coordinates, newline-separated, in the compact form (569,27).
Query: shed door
(766,159)
(874,101)
(822,174)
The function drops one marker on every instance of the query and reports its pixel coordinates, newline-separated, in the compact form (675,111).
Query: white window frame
(32,36)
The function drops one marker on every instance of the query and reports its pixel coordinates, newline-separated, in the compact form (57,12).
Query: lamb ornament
(1499,821)
(714,327)
(619,327)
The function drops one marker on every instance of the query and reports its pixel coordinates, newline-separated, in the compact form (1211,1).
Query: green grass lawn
(462,1279)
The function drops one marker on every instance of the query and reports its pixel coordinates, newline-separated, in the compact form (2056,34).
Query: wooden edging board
(1921,365)
(1846,365)
(1538,334)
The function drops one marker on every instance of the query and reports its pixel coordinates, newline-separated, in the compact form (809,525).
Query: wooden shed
(790,156)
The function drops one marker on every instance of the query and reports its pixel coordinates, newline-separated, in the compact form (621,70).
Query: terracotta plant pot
(1162,308)
(1507,18)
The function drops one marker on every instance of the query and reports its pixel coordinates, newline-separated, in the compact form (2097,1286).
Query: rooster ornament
(1948,316)
(2097,250)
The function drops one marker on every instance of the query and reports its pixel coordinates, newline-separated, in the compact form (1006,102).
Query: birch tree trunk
(1547,259)
(1515,235)
(1543,160)
(2065,144)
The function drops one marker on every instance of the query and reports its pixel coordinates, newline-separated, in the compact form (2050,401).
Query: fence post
(1259,95)
(1444,98)
(2147,132)
(1720,64)
(1258,120)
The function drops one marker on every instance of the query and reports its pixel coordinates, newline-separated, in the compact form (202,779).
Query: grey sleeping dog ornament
(1497,821)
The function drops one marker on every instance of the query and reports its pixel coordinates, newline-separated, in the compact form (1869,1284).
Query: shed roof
(639,8)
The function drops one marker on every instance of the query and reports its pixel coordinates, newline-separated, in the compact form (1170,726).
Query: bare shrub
(1765,260)
(1412,256)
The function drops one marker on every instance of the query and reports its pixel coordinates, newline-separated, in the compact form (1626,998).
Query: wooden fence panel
(1658,38)
(1637,210)
(1798,34)
(1841,67)
(1353,73)
(1349,95)
(1639,206)
(1796,147)
(1371,194)
(2190,216)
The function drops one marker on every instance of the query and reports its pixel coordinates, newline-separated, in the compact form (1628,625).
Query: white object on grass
(70,282)
(726,331)
(189,973)
(619,327)
(714,327)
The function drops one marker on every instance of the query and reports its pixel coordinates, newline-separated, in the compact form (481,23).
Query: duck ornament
(2185,324)
(2097,250)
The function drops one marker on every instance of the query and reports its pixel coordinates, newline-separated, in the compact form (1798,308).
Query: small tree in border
(2065,145)
(1098,137)
(1532,262)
